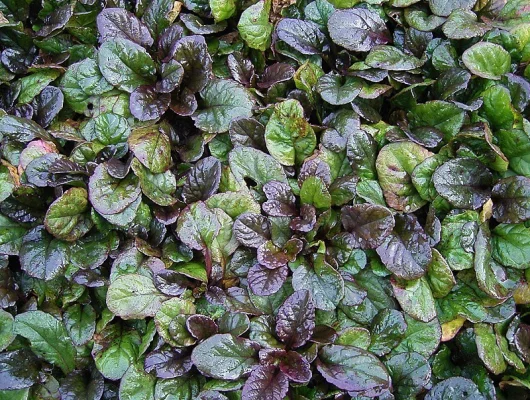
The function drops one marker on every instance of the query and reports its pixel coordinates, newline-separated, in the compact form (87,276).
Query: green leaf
(361,149)
(254,26)
(445,7)
(136,384)
(392,59)
(354,336)
(319,12)
(422,20)
(224,356)
(256,165)
(491,277)
(415,297)
(31,85)
(185,387)
(314,192)
(462,24)
(115,349)
(420,337)
(159,14)
(80,322)
(21,129)
(193,270)
(487,60)
(488,350)
(126,64)
(222,9)
(151,147)
(159,188)
(7,182)
(387,330)
(336,90)
(439,275)
(458,232)
(515,144)
(395,163)
(234,203)
(198,226)
(511,245)
(82,83)
(222,101)
(49,338)
(497,107)
(111,129)
(411,374)
(455,388)
(109,195)
(169,311)
(422,177)
(41,255)
(7,333)
(11,235)
(323,282)
(442,115)
(66,217)
(289,137)
(133,296)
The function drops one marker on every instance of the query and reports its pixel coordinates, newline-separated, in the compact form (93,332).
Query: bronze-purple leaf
(280,199)
(265,281)
(266,382)
(295,321)
(368,223)
(275,73)
(307,219)
(168,363)
(201,326)
(202,180)
(272,256)
(406,251)
(252,230)
(296,367)
(120,23)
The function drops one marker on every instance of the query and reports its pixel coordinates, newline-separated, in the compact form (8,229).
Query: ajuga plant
(281,199)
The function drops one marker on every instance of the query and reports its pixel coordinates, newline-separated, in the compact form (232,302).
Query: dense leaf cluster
(273,199)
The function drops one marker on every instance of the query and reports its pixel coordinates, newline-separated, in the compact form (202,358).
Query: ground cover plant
(281,199)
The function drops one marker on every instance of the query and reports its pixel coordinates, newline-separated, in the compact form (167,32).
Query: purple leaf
(275,73)
(265,281)
(266,383)
(306,221)
(146,104)
(295,321)
(252,230)
(369,224)
(120,23)
(201,326)
(280,199)
(353,369)
(168,364)
(271,256)
(406,252)
(296,367)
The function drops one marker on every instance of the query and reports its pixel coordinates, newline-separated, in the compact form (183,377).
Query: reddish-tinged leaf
(295,321)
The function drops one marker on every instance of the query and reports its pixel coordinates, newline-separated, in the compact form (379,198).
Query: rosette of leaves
(264,200)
